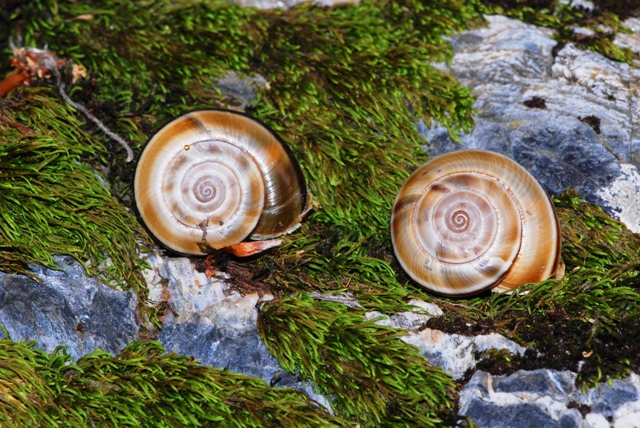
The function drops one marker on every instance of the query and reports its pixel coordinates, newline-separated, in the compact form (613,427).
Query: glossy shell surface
(472,220)
(212,178)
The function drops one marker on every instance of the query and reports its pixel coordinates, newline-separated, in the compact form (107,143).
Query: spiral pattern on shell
(212,178)
(472,220)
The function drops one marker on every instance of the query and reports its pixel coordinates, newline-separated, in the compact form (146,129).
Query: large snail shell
(471,220)
(211,178)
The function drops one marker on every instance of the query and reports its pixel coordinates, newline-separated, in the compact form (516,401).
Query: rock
(525,399)
(175,281)
(583,4)
(568,118)
(629,41)
(346,298)
(594,420)
(548,398)
(608,399)
(240,351)
(208,321)
(215,324)
(67,308)
(243,89)
(286,379)
(407,320)
(455,353)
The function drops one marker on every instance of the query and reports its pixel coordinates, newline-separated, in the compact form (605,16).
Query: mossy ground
(346,86)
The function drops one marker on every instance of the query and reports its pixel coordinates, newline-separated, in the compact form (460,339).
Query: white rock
(630,41)
(381,319)
(430,308)
(455,352)
(407,320)
(485,342)
(596,420)
(507,48)
(623,195)
(629,419)
(284,4)
(509,63)
(235,312)
(187,291)
(583,31)
(582,3)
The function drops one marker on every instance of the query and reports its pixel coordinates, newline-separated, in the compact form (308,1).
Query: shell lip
(305,195)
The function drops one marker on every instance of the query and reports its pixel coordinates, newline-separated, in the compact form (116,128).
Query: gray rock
(216,325)
(555,384)
(244,89)
(66,308)
(286,379)
(568,119)
(526,399)
(491,415)
(208,321)
(240,351)
(546,398)
(607,399)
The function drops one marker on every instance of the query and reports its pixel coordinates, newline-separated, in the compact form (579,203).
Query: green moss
(51,203)
(141,387)
(347,85)
(372,377)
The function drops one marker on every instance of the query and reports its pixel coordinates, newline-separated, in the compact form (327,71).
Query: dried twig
(344,298)
(24,129)
(36,63)
(91,117)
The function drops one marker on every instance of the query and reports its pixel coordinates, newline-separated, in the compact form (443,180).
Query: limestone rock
(630,41)
(243,89)
(548,398)
(455,353)
(175,281)
(66,308)
(413,320)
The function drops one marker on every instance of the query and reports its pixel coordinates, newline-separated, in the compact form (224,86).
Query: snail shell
(472,220)
(212,178)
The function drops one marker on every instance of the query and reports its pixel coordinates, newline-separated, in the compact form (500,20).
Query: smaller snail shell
(472,220)
(212,178)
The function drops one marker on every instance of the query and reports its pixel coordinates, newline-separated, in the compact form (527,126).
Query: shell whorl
(472,220)
(212,178)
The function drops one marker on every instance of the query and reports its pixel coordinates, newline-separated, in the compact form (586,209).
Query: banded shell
(213,178)
(472,220)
